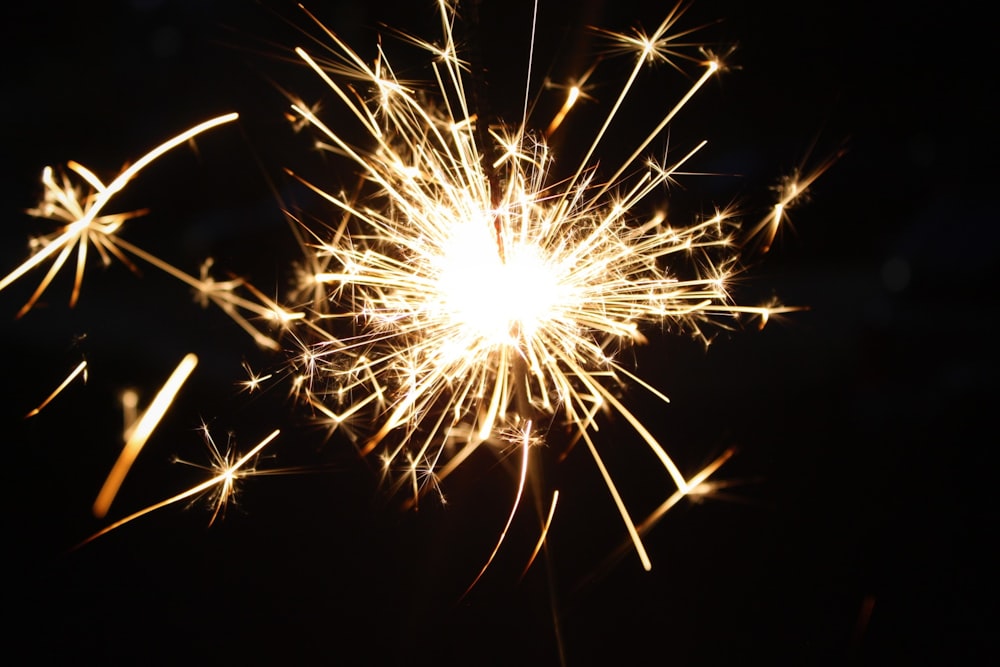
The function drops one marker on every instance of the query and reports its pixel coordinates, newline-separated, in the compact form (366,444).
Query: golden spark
(227,469)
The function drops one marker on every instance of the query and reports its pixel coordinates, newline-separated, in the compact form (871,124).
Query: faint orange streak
(140,434)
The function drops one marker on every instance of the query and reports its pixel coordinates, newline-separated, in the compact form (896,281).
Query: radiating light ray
(80,368)
(792,189)
(525,450)
(223,461)
(226,479)
(223,294)
(694,491)
(254,381)
(545,532)
(140,434)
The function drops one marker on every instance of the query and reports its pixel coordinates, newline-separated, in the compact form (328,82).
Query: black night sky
(857,532)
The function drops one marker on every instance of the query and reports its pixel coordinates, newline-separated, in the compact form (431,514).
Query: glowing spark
(791,190)
(140,434)
(81,368)
(254,380)
(221,462)
(225,478)
(221,293)
(571,97)
(693,485)
(86,224)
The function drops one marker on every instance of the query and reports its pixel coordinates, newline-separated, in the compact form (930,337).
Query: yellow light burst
(483,293)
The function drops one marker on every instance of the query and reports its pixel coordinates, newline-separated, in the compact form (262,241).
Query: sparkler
(470,295)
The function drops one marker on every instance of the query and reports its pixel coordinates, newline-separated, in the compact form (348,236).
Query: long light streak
(525,450)
(140,434)
(86,222)
(80,368)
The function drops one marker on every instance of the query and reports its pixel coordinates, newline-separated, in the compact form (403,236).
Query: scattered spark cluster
(465,294)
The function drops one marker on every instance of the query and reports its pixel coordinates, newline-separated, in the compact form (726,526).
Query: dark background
(863,423)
